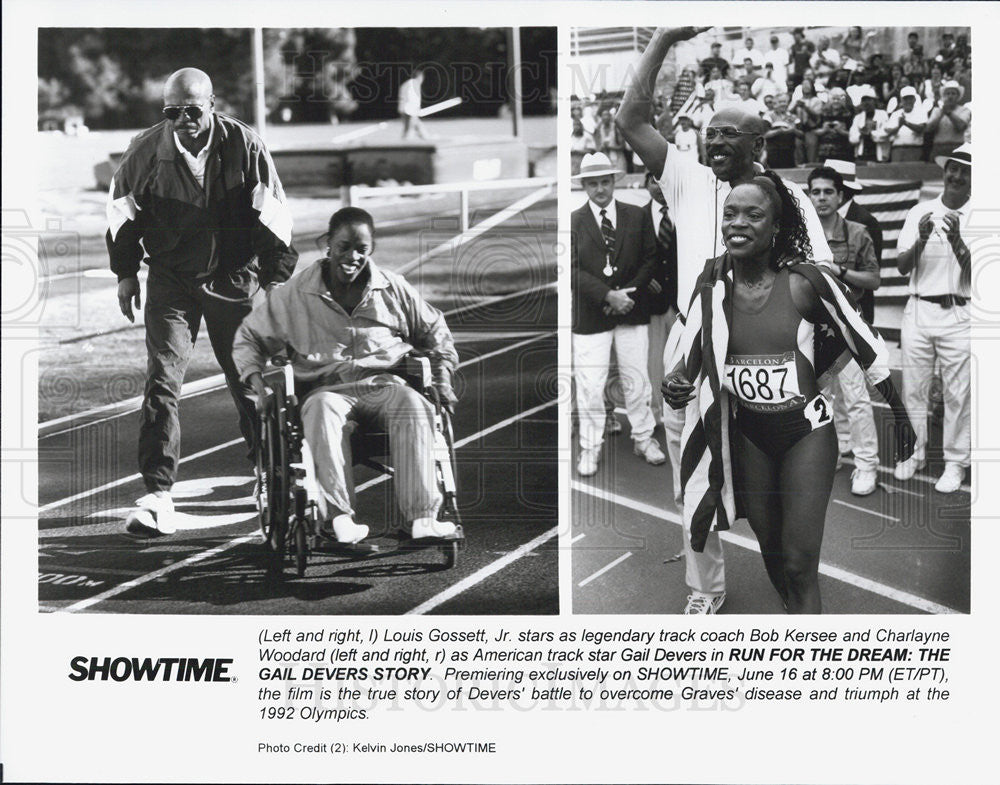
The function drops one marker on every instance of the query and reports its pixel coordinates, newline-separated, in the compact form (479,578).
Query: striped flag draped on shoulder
(706,457)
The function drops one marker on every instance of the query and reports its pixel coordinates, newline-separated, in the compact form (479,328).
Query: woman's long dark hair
(791,244)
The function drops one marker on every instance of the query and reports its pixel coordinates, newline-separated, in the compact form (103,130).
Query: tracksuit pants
(853,416)
(384,402)
(174,310)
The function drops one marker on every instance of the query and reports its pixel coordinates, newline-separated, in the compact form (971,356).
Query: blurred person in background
(766,85)
(947,53)
(688,140)
(721,87)
(833,130)
(906,127)
(608,139)
(800,54)
(912,60)
(826,56)
(777,58)
(930,88)
(867,133)
(751,53)
(807,107)
(714,60)
(410,98)
(948,122)
(783,137)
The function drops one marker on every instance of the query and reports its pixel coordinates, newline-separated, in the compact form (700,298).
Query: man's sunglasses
(172,113)
(726,132)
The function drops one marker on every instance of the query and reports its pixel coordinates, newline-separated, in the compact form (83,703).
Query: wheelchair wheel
(278,504)
(300,524)
(450,554)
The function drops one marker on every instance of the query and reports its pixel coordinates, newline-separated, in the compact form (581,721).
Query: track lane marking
(218,381)
(131,477)
(482,574)
(829,570)
(498,565)
(866,510)
(604,569)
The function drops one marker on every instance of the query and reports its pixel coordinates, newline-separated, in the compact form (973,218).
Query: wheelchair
(288,502)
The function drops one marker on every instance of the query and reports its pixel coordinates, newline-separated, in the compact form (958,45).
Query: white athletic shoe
(587,464)
(906,469)
(864,482)
(158,507)
(431,527)
(698,602)
(649,450)
(347,531)
(951,479)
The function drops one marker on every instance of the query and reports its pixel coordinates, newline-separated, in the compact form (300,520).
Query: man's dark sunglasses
(726,132)
(190,112)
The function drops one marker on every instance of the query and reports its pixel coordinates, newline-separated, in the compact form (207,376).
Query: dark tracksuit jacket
(233,236)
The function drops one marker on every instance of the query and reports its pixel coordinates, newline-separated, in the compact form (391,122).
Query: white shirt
(906,135)
(687,142)
(197,163)
(610,212)
(755,55)
(695,196)
(409,98)
(937,271)
(778,58)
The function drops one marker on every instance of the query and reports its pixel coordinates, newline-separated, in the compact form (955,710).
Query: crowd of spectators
(847,103)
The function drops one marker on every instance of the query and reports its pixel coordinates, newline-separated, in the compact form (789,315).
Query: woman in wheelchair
(346,325)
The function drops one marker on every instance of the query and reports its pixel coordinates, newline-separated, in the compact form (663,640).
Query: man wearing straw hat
(613,259)
(935,328)
(949,120)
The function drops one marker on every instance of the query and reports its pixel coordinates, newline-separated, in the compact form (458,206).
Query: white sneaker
(160,506)
(906,469)
(864,482)
(587,464)
(432,527)
(650,452)
(951,479)
(698,602)
(347,531)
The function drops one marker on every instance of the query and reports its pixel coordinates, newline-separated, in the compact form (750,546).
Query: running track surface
(506,428)
(903,549)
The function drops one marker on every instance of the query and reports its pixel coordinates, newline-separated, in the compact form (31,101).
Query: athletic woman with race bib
(763,330)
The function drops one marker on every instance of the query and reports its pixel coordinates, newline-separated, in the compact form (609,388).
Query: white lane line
(152,576)
(604,569)
(866,511)
(498,565)
(218,381)
(865,584)
(577,538)
(480,575)
(115,483)
(123,480)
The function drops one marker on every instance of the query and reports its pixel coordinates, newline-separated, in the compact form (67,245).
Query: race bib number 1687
(764,382)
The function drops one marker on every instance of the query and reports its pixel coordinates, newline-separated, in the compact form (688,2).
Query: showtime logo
(162,669)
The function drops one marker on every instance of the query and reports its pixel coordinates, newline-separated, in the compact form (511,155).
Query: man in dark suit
(613,259)
(662,289)
(850,210)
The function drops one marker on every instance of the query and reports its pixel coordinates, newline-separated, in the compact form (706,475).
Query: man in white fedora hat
(948,120)
(867,133)
(906,127)
(613,254)
(935,328)
(695,195)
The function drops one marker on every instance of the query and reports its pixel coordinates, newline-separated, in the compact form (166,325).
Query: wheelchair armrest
(419,372)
